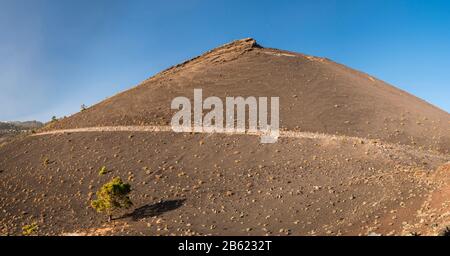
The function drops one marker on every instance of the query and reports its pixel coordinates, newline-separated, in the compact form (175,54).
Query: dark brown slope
(204,184)
(316,95)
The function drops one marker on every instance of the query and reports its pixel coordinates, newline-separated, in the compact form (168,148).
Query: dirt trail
(283,134)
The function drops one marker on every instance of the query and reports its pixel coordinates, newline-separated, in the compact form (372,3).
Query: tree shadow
(152,210)
(445,232)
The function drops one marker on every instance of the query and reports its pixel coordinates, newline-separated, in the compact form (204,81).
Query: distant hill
(20,126)
(12,130)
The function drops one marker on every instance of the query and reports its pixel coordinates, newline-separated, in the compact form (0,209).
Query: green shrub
(45,161)
(103,171)
(30,229)
(112,196)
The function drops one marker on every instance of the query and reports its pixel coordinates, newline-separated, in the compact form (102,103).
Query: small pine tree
(83,107)
(112,196)
(54,119)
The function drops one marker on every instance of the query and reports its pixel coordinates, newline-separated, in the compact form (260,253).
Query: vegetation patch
(103,171)
(30,229)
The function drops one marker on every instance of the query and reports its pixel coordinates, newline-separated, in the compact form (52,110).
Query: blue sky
(58,54)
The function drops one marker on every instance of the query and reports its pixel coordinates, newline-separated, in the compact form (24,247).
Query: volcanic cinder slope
(366,157)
